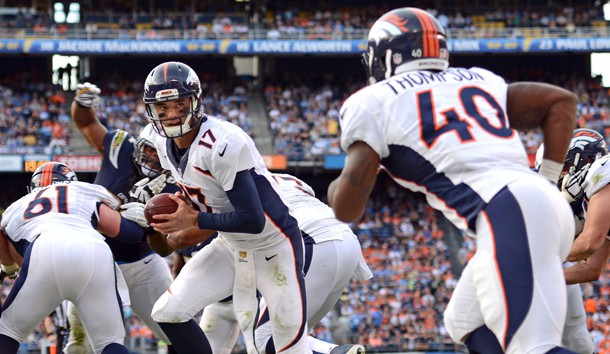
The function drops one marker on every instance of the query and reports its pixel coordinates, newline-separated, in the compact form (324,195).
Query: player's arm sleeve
(119,147)
(597,178)
(359,122)
(112,224)
(105,196)
(229,156)
(248,216)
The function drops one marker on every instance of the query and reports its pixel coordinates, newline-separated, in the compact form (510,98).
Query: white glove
(572,186)
(147,188)
(87,94)
(135,212)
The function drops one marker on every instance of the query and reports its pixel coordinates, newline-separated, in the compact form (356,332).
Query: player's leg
(280,280)
(204,280)
(329,267)
(34,294)
(463,318)
(95,295)
(220,326)
(78,343)
(576,335)
(147,279)
(523,235)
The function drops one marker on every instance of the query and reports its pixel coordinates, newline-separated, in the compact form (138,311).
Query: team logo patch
(397,21)
(397,58)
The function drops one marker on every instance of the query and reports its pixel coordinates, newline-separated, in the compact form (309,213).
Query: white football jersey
(208,170)
(445,134)
(598,176)
(314,217)
(56,207)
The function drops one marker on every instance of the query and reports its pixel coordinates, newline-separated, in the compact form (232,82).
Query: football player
(332,256)
(56,229)
(219,168)
(584,183)
(450,134)
(586,146)
(125,162)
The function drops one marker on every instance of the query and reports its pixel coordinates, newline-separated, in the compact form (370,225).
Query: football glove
(87,95)
(135,212)
(10,271)
(147,188)
(572,186)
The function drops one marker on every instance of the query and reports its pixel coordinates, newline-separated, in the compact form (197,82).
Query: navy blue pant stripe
(23,275)
(513,258)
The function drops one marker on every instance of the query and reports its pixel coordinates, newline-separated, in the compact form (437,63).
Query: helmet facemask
(168,83)
(189,117)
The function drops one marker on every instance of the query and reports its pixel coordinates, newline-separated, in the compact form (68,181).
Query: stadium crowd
(303,22)
(406,248)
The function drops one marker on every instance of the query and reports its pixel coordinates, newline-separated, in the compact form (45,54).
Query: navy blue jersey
(118,174)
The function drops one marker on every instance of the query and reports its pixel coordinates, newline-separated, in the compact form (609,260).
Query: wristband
(130,232)
(550,170)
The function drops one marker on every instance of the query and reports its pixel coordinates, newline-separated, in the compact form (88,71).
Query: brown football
(159,204)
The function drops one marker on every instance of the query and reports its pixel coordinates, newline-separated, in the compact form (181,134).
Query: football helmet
(144,153)
(173,81)
(50,173)
(586,146)
(402,40)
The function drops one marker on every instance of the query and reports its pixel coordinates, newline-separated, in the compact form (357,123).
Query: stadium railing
(300,34)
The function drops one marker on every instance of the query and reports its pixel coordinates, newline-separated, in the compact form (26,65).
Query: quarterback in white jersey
(219,169)
(65,257)
(449,133)
(332,257)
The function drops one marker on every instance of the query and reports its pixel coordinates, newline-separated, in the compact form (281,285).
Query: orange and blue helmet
(586,146)
(50,173)
(402,40)
(168,82)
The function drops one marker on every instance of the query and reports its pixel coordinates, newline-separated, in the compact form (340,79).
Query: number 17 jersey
(445,134)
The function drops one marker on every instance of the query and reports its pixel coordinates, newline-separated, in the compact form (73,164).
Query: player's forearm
(581,273)
(82,116)
(585,245)
(189,237)
(6,256)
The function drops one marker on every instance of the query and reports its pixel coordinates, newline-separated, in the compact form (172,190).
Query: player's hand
(135,212)
(572,186)
(10,271)
(147,188)
(87,95)
(183,218)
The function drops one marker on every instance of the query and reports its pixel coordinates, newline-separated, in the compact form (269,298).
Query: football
(159,204)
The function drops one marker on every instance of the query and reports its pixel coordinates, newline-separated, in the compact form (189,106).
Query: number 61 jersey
(445,134)
(60,207)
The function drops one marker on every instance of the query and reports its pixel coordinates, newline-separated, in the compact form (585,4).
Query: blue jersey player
(124,162)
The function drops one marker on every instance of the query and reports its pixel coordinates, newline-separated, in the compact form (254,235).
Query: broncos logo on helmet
(50,173)
(173,81)
(586,146)
(402,40)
